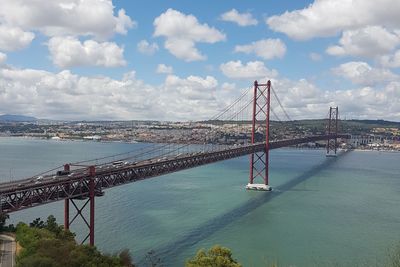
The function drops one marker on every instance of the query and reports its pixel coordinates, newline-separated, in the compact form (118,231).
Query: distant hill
(21,118)
(317,126)
(377,123)
(374,123)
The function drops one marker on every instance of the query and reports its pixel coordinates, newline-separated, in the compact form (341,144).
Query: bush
(217,256)
(47,244)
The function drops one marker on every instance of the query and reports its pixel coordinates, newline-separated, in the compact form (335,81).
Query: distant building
(92,137)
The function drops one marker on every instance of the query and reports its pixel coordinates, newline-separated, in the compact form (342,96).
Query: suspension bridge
(79,183)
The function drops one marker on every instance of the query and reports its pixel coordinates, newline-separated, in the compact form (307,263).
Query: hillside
(17,118)
(317,126)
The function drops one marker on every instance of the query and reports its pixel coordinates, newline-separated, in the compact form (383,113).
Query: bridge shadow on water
(172,249)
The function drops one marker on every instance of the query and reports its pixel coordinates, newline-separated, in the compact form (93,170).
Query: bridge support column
(66,204)
(91,199)
(259,161)
(331,144)
(80,208)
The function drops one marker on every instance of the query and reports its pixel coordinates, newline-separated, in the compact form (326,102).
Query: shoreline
(74,140)
(136,141)
(376,150)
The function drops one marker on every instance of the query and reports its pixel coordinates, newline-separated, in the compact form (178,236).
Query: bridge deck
(29,192)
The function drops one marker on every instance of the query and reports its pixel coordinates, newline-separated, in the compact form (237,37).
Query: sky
(187,60)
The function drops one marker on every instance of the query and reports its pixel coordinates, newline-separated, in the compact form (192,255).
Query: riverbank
(136,141)
(72,139)
(376,150)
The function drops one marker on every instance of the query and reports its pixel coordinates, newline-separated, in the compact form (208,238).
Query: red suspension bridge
(79,183)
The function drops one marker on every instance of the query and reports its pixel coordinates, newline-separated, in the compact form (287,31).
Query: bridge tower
(259,161)
(90,188)
(331,144)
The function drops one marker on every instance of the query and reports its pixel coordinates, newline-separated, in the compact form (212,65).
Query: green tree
(52,225)
(38,223)
(36,261)
(47,244)
(217,256)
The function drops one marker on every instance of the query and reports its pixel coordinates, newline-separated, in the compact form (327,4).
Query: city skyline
(89,60)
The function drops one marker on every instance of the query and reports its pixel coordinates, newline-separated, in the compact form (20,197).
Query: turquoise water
(323,211)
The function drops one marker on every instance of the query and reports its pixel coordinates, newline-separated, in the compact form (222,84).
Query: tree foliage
(47,244)
(38,223)
(217,256)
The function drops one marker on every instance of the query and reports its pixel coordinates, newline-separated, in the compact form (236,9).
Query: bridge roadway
(27,193)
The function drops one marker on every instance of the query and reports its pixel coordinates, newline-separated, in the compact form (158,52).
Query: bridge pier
(259,161)
(79,210)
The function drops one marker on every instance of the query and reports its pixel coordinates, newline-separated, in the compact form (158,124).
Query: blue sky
(92,59)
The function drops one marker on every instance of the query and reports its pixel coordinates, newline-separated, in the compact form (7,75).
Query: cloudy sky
(186,60)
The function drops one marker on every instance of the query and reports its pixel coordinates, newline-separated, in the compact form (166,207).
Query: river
(323,211)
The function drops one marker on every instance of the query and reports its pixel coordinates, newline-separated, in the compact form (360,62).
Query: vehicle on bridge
(61,173)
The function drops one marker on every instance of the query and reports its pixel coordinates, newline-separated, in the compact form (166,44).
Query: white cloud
(266,49)
(191,97)
(302,99)
(162,68)
(315,56)
(182,32)
(66,17)
(391,61)
(123,22)
(184,49)
(3,58)
(251,70)
(228,86)
(328,17)
(242,19)
(145,47)
(368,42)
(369,102)
(69,96)
(65,95)
(14,38)
(192,87)
(70,52)
(362,73)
